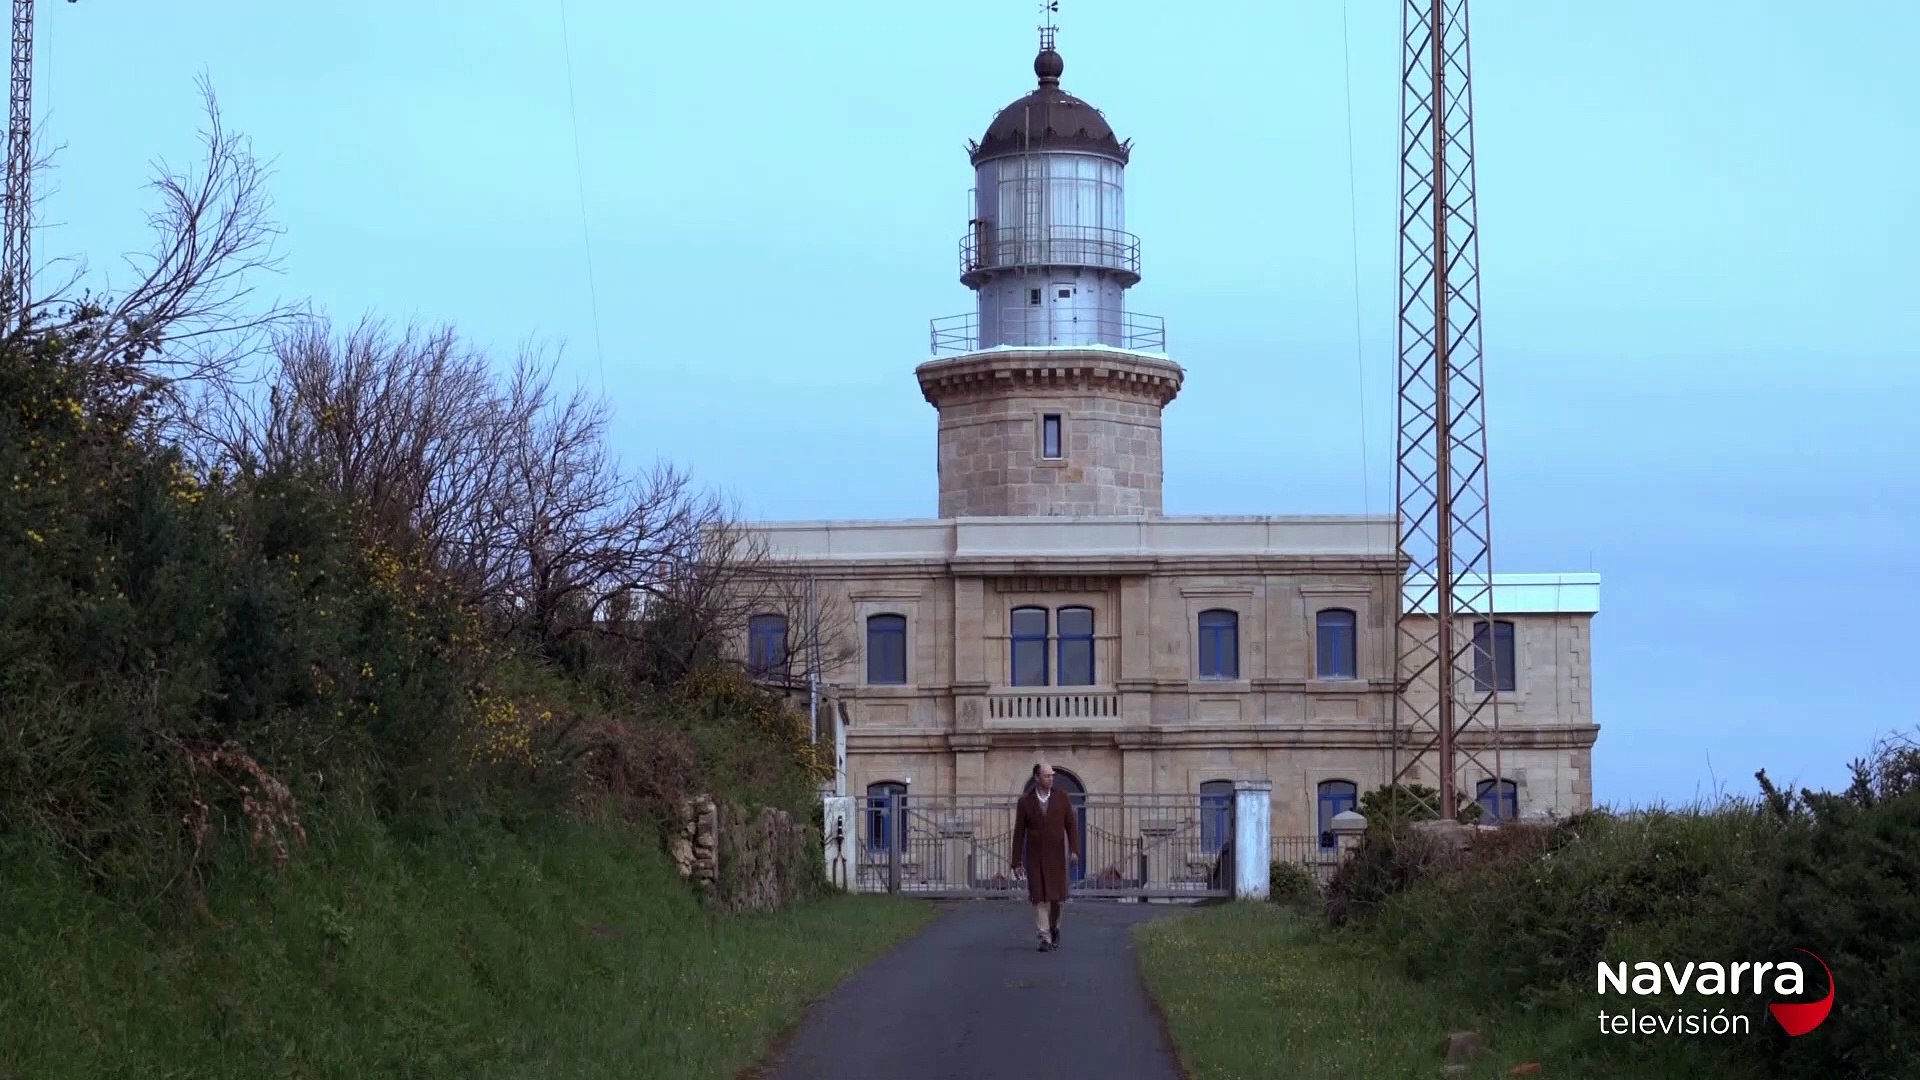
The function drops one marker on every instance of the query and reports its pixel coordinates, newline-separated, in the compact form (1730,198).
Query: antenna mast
(16,257)
(16,249)
(1444,709)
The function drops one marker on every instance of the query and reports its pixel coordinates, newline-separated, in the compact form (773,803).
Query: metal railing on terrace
(1033,327)
(1049,245)
(1318,855)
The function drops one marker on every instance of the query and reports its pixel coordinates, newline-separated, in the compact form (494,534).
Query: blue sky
(1696,237)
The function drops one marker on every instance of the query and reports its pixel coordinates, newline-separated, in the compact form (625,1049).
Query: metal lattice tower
(1443,718)
(16,257)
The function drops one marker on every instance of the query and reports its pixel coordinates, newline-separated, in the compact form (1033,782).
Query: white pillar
(1252,838)
(839,719)
(1348,827)
(840,841)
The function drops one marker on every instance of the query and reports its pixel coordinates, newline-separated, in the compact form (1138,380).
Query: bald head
(1043,775)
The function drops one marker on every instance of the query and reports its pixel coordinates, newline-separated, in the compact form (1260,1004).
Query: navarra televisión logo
(1785,979)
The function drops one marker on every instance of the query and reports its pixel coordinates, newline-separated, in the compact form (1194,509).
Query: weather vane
(1047,10)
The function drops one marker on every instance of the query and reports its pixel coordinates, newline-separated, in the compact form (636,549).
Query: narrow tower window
(1050,435)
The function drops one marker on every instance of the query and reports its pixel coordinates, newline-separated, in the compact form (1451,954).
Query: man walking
(1046,834)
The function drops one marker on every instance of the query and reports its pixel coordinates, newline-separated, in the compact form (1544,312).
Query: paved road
(969,998)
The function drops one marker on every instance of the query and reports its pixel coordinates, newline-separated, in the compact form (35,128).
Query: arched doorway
(1065,783)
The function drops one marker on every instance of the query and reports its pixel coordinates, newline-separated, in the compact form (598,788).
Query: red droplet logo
(1799,1018)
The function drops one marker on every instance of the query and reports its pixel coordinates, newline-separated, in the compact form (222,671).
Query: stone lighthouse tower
(1050,391)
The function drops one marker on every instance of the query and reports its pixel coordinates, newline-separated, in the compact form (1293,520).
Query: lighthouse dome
(1049,118)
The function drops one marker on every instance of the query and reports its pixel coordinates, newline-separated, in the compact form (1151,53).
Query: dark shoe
(1045,945)
(1056,937)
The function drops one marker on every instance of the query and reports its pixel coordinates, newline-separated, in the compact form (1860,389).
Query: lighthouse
(1050,391)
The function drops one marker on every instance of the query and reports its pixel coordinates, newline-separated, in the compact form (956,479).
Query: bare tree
(578,531)
(510,488)
(190,318)
(403,428)
(735,579)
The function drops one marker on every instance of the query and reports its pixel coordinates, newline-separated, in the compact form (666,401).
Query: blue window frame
(887,650)
(885,800)
(766,643)
(1501,806)
(1219,644)
(1493,656)
(1028,628)
(1336,797)
(1216,815)
(1333,634)
(1076,646)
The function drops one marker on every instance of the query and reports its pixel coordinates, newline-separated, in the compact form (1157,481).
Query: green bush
(1384,864)
(1537,907)
(1290,883)
(1392,807)
(191,658)
(1847,887)
(185,656)
(1526,912)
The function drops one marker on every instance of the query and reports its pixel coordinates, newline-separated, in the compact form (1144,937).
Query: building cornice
(1001,372)
(1053,565)
(1199,736)
(934,548)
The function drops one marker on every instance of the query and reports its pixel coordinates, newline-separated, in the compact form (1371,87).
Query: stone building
(1053,609)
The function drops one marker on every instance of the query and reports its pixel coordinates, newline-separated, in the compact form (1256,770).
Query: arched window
(1063,781)
(1028,628)
(1503,805)
(887,650)
(1219,644)
(886,804)
(766,644)
(1493,656)
(1216,816)
(1333,633)
(1076,646)
(1336,798)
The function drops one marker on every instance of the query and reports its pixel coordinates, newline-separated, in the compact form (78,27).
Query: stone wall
(695,843)
(990,454)
(743,861)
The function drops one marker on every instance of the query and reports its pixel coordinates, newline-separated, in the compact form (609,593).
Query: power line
(1353,221)
(1393,581)
(580,183)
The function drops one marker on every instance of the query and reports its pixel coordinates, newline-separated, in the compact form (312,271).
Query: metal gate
(1142,846)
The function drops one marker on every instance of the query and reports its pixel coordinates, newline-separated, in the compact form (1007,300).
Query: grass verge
(562,951)
(1254,991)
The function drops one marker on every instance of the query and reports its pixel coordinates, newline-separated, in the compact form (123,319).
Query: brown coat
(1047,836)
